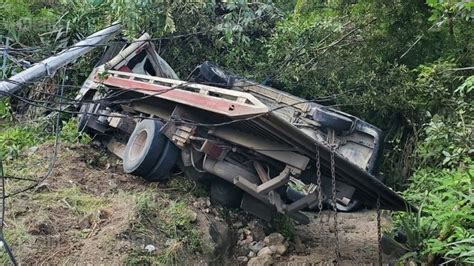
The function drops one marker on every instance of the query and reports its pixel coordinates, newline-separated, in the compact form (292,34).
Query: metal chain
(320,192)
(379,232)
(333,179)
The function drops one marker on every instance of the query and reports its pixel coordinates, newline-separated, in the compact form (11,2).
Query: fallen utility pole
(52,64)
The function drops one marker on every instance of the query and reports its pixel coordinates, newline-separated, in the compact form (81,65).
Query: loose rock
(256,246)
(265,251)
(192,216)
(274,239)
(260,260)
(242,259)
(279,249)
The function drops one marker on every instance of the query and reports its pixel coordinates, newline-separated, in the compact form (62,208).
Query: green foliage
(14,139)
(448,138)
(445,11)
(77,201)
(445,224)
(417,229)
(5,110)
(70,134)
(284,225)
(172,218)
(19,136)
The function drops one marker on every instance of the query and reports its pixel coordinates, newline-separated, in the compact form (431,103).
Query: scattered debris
(150,248)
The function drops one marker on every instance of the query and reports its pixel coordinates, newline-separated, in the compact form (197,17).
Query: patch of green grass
(187,185)
(16,234)
(16,137)
(73,198)
(165,221)
(5,109)
(70,134)
(284,225)
(182,184)
(140,257)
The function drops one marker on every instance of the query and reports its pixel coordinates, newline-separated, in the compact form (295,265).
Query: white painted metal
(52,64)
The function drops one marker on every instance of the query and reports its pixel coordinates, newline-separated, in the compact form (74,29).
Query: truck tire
(331,119)
(165,163)
(88,122)
(225,194)
(85,111)
(144,148)
(83,117)
(215,75)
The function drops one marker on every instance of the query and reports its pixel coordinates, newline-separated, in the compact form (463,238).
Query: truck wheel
(328,118)
(167,161)
(144,148)
(85,111)
(213,74)
(88,122)
(225,194)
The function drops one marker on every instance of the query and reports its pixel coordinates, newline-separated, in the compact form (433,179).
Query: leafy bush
(448,138)
(70,134)
(445,225)
(17,137)
(14,139)
(5,110)
(442,185)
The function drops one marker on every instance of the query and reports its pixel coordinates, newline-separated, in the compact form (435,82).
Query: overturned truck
(258,148)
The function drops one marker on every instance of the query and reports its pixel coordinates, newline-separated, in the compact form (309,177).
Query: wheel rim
(138,146)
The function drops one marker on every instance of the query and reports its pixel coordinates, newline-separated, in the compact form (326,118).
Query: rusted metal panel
(221,101)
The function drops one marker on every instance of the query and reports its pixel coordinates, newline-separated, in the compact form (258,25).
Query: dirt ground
(357,240)
(90,212)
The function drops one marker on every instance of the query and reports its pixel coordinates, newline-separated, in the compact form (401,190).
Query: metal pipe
(227,171)
(52,64)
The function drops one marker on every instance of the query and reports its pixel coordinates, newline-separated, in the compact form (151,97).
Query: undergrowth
(17,136)
(444,226)
(442,187)
(158,218)
(73,198)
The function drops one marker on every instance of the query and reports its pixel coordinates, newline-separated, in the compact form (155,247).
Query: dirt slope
(357,240)
(90,212)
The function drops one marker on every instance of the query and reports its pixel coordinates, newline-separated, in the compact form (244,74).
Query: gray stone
(221,236)
(265,251)
(237,225)
(256,246)
(298,244)
(264,260)
(249,239)
(274,239)
(242,259)
(258,231)
(279,249)
(193,216)
(247,231)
